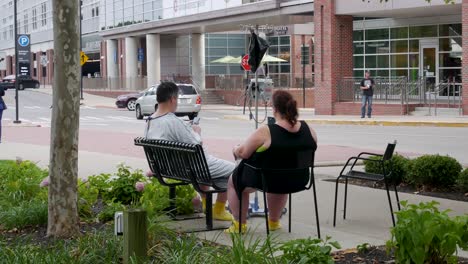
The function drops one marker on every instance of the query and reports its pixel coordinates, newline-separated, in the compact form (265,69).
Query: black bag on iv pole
(257,49)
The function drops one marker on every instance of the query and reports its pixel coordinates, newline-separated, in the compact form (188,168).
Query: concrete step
(211,98)
(424,111)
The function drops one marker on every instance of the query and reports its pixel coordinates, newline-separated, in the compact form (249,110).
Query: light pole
(17,121)
(81,48)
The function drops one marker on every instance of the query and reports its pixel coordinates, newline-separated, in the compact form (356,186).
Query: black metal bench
(184,163)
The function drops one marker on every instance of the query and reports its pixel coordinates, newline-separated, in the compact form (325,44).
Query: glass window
(273,50)
(236,42)
(450,74)
(450,44)
(217,42)
(414,60)
(399,73)
(452,59)
(236,52)
(358,48)
(285,40)
(217,51)
(423,31)
(399,46)
(285,68)
(450,30)
(399,61)
(376,34)
(377,61)
(358,61)
(358,35)
(380,47)
(273,40)
(399,33)
(413,74)
(414,45)
(358,73)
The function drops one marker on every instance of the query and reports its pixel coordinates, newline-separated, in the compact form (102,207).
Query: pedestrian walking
(367,87)
(2,107)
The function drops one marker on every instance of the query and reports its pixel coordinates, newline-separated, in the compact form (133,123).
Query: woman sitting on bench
(276,146)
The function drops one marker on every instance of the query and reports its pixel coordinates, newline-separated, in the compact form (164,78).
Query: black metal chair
(184,163)
(279,181)
(385,163)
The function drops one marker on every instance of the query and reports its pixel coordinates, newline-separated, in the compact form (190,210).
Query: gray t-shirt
(170,127)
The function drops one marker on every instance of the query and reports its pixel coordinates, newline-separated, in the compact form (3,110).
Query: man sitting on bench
(165,125)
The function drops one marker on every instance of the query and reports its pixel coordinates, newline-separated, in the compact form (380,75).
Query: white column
(198,60)
(131,62)
(112,58)
(153,58)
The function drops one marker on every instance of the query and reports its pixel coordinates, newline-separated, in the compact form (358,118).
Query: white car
(189,103)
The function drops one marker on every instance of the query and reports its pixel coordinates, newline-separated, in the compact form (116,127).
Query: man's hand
(197,129)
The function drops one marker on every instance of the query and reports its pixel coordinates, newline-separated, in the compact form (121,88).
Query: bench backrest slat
(174,160)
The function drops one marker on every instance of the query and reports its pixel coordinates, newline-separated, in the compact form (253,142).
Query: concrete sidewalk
(368,218)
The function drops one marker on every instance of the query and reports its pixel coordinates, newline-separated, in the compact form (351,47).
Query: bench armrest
(355,159)
(369,154)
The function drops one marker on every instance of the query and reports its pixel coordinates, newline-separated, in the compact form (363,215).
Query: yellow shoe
(220,213)
(274,225)
(234,228)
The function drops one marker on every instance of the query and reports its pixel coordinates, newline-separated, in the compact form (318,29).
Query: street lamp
(16,121)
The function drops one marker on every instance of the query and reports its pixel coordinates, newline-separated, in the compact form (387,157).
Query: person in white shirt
(164,124)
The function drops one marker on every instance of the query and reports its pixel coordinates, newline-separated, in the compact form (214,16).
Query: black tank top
(287,149)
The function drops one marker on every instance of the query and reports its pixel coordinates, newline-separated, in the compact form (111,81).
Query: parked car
(189,103)
(129,100)
(24,82)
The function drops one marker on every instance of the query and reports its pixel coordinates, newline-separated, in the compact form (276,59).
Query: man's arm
(363,87)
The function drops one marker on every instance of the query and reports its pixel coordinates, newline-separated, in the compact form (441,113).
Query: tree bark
(63,219)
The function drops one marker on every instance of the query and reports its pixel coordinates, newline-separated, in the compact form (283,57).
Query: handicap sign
(23,41)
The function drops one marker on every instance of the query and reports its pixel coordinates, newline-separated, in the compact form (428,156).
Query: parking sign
(23,40)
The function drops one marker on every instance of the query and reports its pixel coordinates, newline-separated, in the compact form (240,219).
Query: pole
(303,71)
(17,121)
(81,48)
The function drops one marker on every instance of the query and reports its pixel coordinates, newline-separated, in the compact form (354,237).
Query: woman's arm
(253,142)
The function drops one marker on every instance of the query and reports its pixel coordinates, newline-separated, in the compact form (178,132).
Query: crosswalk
(35,107)
(84,120)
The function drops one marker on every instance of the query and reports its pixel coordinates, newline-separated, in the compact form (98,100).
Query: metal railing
(386,90)
(448,94)
(283,81)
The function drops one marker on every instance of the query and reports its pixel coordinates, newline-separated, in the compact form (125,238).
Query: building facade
(417,41)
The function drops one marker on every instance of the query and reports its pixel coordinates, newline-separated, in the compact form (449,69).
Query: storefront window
(358,61)
(399,61)
(414,60)
(358,48)
(399,46)
(450,59)
(378,61)
(377,34)
(423,31)
(450,30)
(399,73)
(380,47)
(358,35)
(450,44)
(399,33)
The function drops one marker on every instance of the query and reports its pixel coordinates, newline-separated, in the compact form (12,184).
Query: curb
(10,124)
(369,123)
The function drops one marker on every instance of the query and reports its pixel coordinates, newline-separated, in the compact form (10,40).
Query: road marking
(210,118)
(7,119)
(87,107)
(32,107)
(45,119)
(121,118)
(93,118)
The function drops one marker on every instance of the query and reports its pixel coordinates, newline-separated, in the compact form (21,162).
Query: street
(35,109)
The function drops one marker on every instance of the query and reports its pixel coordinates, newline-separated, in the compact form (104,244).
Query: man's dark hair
(166,91)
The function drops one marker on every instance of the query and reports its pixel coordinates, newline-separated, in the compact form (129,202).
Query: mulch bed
(37,235)
(451,194)
(373,255)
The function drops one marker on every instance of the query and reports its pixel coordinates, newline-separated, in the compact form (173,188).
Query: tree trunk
(63,221)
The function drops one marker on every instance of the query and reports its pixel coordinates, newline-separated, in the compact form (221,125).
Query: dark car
(24,82)
(128,100)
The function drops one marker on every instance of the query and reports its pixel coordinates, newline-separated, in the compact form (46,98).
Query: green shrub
(309,251)
(463,181)
(399,167)
(19,181)
(423,234)
(24,214)
(434,171)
